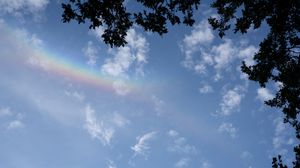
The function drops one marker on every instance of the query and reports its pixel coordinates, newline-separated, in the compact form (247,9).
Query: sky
(68,100)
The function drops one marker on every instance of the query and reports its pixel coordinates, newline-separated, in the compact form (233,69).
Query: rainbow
(61,66)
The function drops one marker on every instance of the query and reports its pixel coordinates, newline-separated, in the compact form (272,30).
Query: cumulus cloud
(201,53)
(231,101)
(229,129)
(91,51)
(264,94)
(142,146)
(133,53)
(183,162)
(201,34)
(179,144)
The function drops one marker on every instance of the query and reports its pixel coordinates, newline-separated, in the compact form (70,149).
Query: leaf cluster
(117,20)
(278,58)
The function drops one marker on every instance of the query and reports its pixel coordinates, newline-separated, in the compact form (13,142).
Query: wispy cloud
(206,164)
(142,146)
(91,52)
(158,104)
(103,129)
(111,164)
(282,137)
(17,122)
(5,111)
(206,88)
(183,162)
(78,96)
(20,7)
(97,129)
(179,144)
(229,129)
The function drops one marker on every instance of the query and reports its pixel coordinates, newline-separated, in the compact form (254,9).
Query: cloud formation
(91,52)
(206,88)
(179,144)
(134,53)
(142,146)
(231,101)
(20,7)
(103,130)
(264,94)
(202,52)
(183,162)
(229,129)
(5,111)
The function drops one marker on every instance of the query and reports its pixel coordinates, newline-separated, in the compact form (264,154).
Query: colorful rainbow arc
(80,72)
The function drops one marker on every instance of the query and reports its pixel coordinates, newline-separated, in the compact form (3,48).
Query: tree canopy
(278,58)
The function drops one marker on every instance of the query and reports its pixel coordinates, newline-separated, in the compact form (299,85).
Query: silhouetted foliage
(113,15)
(277,59)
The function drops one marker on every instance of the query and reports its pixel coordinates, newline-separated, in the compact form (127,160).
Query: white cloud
(183,162)
(202,34)
(223,54)
(97,32)
(97,129)
(247,54)
(119,120)
(264,94)
(133,53)
(246,155)
(120,63)
(201,53)
(231,101)
(5,111)
(205,165)
(75,95)
(180,144)
(91,51)
(158,104)
(142,146)
(20,7)
(15,124)
(121,87)
(205,88)
(111,164)
(282,137)
(228,128)
(172,133)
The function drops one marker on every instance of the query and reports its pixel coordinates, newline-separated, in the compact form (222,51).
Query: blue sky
(68,100)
